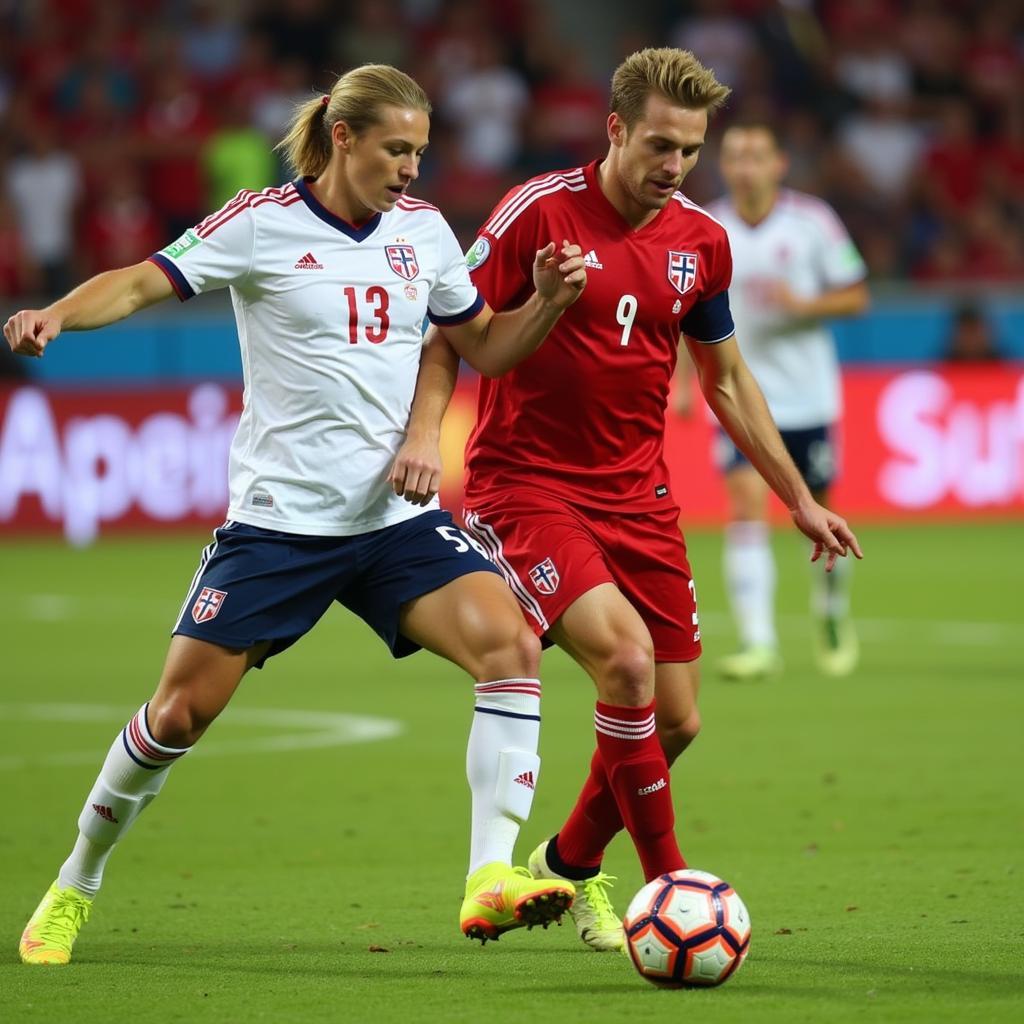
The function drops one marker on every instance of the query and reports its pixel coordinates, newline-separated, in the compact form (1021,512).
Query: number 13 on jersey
(377,297)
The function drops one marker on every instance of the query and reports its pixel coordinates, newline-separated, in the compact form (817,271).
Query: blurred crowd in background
(123,122)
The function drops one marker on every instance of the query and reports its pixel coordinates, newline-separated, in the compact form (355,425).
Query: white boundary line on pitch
(316,729)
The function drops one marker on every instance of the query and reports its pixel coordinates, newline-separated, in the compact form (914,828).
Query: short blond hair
(675,74)
(355,98)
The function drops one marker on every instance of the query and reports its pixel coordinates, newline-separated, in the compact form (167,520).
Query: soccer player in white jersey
(794,267)
(333,474)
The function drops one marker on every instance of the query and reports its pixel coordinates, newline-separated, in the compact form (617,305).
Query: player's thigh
(475,622)
(605,634)
(676,688)
(198,680)
(545,549)
(748,493)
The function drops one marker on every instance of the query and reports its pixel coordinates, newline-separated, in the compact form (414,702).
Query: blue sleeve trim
(459,318)
(710,320)
(181,287)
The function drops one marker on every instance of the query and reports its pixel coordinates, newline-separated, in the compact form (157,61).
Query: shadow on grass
(524,969)
(962,978)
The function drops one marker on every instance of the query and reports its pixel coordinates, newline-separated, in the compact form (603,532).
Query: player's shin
(133,773)
(830,595)
(638,775)
(837,647)
(750,579)
(502,766)
(578,849)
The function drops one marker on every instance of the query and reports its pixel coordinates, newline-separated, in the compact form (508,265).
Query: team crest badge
(545,576)
(402,260)
(208,604)
(682,270)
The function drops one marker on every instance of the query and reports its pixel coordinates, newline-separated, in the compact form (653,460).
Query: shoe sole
(538,909)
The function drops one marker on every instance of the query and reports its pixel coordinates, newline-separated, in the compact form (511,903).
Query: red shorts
(552,553)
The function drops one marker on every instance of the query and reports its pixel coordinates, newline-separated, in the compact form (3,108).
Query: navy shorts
(813,449)
(254,585)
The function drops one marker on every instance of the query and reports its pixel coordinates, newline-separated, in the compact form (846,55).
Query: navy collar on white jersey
(315,206)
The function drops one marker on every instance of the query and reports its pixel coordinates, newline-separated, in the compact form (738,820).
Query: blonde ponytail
(355,98)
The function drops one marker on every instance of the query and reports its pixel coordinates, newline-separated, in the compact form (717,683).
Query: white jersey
(329,321)
(803,244)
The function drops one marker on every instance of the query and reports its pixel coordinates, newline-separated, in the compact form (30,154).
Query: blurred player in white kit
(794,267)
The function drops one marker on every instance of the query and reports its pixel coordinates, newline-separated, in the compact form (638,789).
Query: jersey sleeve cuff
(711,341)
(181,287)
(709,321)
(459,318)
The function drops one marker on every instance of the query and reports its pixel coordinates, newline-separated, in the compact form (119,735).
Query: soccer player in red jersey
(567,485)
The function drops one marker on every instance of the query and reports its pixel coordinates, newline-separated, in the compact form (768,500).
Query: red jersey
(584,416)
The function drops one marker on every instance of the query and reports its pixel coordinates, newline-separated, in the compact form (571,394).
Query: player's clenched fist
(560,277)
(29,331)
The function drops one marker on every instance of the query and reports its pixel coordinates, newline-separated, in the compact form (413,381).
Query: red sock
(592,823)
(637,774)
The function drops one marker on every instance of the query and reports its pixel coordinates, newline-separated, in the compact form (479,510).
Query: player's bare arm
(416,473)
(493,343)
(853,300)
(735,398)
(103,299)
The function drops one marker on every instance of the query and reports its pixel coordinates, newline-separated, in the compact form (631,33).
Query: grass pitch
(872,825)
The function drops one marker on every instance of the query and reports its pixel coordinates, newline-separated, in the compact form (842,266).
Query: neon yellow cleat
(53,928)
(753,663)
(838,649)
(596,922)
(500,898)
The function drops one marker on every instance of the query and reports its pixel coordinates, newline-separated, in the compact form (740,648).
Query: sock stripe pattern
(501,766)
(509,698)
(142,748)
(624,728)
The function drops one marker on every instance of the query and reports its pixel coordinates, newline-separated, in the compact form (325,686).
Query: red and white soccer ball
(687,928)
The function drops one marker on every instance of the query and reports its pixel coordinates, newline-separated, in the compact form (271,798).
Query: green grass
(873,825)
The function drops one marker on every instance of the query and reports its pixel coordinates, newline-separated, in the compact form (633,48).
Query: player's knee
(676,734)
(628,674)
(508,650)
(175,720)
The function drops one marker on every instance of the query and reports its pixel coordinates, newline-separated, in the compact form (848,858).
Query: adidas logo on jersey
(308,262)
(592,262)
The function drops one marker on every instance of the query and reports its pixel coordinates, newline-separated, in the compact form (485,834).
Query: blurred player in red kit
(567,486)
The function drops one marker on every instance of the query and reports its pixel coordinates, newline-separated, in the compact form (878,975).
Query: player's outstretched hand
(828,531)
(560,277)
(29,331)
(416,474)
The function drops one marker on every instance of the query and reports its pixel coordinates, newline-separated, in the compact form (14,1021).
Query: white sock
(502,766)
(830,591)
(132,774)
(750,580)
